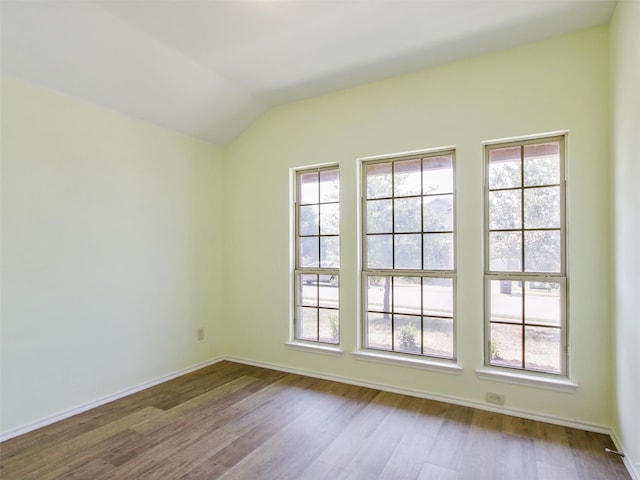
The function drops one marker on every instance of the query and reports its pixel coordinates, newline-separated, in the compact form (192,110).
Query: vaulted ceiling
(209,68)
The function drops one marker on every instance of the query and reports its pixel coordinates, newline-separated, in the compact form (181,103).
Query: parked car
(331,279)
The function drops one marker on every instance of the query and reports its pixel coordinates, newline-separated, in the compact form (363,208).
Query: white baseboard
(432,396)
(627,461)
(101,401)
(351,381)
(572,423)
(590,427)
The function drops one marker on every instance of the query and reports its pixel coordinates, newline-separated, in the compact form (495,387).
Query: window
(317,255)
(525,277)
(408,254)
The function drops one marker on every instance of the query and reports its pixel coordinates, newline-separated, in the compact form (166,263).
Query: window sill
(443,366)
(310,347)
(561,384)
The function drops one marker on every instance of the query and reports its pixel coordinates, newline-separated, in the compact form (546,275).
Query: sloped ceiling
(209,68)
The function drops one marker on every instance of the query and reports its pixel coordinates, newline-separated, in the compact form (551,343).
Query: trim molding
(351,381)
(307,347)
(561,384)
(626,460)
(450,367)
(591,427)
(101,401)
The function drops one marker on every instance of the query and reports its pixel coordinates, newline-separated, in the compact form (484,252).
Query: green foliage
(407,337)
(541,210)
(408,215)
(319,214)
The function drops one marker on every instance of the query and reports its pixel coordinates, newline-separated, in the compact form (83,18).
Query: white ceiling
(208,68)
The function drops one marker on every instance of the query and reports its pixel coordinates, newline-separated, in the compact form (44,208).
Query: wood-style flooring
(235,421)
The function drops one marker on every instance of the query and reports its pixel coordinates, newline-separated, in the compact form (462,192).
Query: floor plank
(233,421)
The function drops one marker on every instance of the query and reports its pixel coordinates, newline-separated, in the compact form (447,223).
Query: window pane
(379,331)
(329,326)
(506,301)
(438,213)
(542,251)
(317,247)
(506,345)
(379,183)
(525,189)
(330,219)
(406,295)
(542,303)
(329,186)
(309,220)
(437,294)
(505,251)
(542,164)
(330,252)
(408,338)
(308,326)
(438,251)
(505,210)
(437,175)
(308,252)
(542,207)
(438,337)
(379,251)
(309,290)
(379,216)
(542,349)
(308,187)
(379,294)
(504,168)
(407,214)
(407,178)
(409,226)
(407,251)
(328,291)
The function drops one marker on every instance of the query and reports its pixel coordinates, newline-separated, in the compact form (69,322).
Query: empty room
(320,239)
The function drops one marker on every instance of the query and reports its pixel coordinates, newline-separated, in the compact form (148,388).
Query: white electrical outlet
(201,333)
(494,398)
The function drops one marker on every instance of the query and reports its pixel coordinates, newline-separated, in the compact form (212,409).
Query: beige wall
(553,85)
(625,63)
(111,253)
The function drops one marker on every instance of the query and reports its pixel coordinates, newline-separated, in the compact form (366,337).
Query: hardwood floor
(235,421)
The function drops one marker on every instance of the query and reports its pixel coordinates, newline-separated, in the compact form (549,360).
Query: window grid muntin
(318,306)
(524,323)
(522,188)
(299,205)
(423,315)
(422,157)
(319,270)
(523,275)
(397,272)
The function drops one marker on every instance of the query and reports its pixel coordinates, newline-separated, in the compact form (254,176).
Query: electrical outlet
(201,333)
(494,398)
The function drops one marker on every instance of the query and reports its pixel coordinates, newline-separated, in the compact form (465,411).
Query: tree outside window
(409,256)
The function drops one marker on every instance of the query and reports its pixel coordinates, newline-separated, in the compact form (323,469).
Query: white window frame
(422,360)
(553,380)
(296,341)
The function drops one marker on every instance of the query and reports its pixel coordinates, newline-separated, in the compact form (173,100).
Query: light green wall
(552,85)
(625,62)
(111,253)
(120,239)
